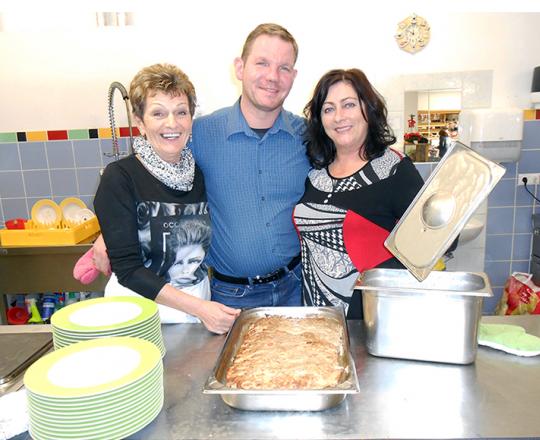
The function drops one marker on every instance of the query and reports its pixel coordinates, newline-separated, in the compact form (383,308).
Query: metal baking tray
(281,400)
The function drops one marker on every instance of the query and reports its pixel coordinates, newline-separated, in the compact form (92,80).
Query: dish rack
(61,235)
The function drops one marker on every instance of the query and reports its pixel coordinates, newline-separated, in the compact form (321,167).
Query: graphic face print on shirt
(174,240)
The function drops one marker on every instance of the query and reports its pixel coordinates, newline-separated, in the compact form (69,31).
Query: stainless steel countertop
(497,396)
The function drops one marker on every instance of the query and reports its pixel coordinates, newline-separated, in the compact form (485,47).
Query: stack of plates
(100,389)
(104,317)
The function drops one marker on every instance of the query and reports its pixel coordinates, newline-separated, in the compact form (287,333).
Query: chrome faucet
(115,149)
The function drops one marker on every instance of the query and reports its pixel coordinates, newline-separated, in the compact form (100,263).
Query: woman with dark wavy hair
(355,194)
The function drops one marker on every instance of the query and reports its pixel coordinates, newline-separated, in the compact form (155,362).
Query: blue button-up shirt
(253,185)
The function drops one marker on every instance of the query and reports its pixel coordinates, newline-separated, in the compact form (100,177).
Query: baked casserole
(279,352)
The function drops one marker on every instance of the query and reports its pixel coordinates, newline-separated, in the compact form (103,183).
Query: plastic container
(17,315)
(16,223)
(60,298)
(32,309)
(47,307)
(70,298)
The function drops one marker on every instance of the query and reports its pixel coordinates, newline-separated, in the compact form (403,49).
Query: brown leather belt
(274,276)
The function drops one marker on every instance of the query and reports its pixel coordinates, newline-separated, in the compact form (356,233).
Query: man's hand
(101,259)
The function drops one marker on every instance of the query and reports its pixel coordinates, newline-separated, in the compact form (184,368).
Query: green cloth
(510,338)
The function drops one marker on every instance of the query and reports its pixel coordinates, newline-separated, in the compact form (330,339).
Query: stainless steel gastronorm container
(280,400)
(433,320)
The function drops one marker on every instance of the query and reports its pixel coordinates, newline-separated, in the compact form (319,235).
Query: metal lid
(453,191)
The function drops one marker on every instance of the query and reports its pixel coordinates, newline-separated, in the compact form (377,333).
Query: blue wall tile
(498,247)
(523,198)
(11,184)
(37,183)
(490,303)
(424,169)
(520,266)
(88,180)
(510,169)
(522,247)
(497,271)
(123,144)
(531,135)
(523,222)
(31,201)
(33,156)
(87,153)
(529,161)
(503,194)
(14,208)
(9,157)
(60,154)
(88,201)
(500,220)
(64,182)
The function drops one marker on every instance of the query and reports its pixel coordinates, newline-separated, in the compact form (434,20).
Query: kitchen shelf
(33,269)
(431,121)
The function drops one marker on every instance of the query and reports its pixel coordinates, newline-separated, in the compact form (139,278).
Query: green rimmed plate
(92,367)
(153,335)
(53,405)
(151,322)
(102,314)
(119,431)
(127,407)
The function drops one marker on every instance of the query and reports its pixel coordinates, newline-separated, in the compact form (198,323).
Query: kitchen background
(57,65)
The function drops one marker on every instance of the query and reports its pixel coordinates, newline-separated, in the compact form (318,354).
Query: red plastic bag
(520,297)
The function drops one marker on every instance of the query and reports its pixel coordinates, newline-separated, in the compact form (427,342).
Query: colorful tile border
(64,135)
(105,133)
(531,115)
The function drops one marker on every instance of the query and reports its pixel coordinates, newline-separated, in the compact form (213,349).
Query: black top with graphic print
(144,224)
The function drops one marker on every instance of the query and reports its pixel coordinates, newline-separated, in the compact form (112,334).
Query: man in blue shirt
(255,166)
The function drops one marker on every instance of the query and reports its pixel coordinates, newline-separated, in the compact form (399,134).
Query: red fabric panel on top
(364,241)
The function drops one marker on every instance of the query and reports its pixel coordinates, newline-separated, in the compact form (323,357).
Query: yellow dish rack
(63,235)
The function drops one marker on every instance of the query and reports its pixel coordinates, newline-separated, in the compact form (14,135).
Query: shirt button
(260,171)
(267,225)
(262,198)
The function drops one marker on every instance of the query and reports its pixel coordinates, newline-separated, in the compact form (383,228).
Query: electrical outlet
(532,179)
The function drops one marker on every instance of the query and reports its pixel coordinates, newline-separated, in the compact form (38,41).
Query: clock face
(413,33)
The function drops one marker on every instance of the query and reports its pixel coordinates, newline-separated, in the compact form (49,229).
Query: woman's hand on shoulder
(100,257)
(216,317)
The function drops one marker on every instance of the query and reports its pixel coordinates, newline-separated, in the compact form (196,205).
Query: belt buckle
(258,279)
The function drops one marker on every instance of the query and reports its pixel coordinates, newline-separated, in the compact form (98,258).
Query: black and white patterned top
(343,222)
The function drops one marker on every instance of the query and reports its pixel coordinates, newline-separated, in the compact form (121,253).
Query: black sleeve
(407,182)
(115,205)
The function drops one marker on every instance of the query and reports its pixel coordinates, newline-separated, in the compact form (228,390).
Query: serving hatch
(281,399)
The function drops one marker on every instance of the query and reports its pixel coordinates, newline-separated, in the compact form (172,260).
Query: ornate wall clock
(413,33)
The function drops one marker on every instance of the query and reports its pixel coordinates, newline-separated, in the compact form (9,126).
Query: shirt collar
(236,122)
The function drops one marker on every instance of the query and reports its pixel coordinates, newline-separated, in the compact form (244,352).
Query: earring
(190,138)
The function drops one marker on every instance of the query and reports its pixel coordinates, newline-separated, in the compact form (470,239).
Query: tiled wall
(32,170)
(509,222)
(54,169)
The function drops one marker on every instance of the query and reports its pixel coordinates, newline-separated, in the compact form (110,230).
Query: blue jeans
(287,291)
